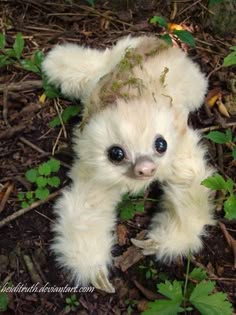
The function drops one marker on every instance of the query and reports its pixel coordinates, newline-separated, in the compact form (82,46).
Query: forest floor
(27,140)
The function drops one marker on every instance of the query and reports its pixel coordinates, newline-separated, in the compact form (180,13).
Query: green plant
(223,138)
(14,55)
(230,60)
(149,270)
(129,206)
(67,113)
(217,182)
(183,35)
(10,55)
(72,304)
(4,301)
(43,179)
(184,296)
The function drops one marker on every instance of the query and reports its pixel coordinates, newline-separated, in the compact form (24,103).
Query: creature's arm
(187,205)
(83,232)
(76,69)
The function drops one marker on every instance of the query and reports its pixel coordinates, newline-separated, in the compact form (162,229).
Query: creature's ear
(76,69)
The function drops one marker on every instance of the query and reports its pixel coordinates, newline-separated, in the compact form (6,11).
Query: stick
(31,207)
(24,85)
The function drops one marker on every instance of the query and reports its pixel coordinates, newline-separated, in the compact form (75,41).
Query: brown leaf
(122,234)
(212,96)
(222,109)
(128,258)
(150,295)
(230,240)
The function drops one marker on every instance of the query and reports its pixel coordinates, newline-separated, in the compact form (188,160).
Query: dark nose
(144,167)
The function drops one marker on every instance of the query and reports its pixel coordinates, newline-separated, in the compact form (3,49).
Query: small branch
(20,86)
(231,124)
(34,205)
(5,197)
(8,133)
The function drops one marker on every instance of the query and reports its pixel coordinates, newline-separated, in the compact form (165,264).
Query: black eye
(160,145)
(116,154)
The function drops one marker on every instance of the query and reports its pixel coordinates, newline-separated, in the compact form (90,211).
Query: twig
(31,207)
(5,107)
(33,146)
(8,133)
(227,125)
(24,85)
(5,197)
(34,275)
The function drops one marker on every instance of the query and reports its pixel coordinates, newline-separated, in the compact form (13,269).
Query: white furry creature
(137,96)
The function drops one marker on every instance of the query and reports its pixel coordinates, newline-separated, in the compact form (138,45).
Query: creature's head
(131,143)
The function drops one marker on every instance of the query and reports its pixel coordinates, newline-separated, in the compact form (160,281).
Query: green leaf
(139,207)
(160,20)
(230,207)
(162,307)
(29,66)
(167,39)
(55,122)
(50,91)
(18,45)
(38,58)
(198,274)
(229,185)
(172,291)
(24,204)
(202,289)
(31,175)
(230,60)
(41,181)
(4,300)
(54,181)
(215,304)
(44,169)
(69,112)
(215,182)
(219,137)
(21,196)
(54,165)
(234,153)
(42,193)
(127,213)
(2,41)
(29,195)
(186,37)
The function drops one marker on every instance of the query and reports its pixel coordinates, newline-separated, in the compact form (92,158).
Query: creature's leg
(84,232)
(187,205)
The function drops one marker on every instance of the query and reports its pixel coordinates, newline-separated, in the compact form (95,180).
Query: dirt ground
(26,140)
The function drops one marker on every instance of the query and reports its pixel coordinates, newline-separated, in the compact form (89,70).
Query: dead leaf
(142,305)
(222,109)
(212,96)
(230,240)
(128,258)
(122,234)
(150,295)
(174,27)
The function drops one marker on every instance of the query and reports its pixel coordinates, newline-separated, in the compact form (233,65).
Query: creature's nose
(144,167)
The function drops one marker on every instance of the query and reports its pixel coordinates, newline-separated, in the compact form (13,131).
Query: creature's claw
(149,246)
(101,282)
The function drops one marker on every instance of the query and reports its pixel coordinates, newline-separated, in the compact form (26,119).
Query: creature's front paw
(149,246)
(101,282)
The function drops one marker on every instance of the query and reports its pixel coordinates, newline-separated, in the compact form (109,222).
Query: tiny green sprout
(217,182)
(71,304)
(4,301)
(43,178)
(131,304)
(66,115)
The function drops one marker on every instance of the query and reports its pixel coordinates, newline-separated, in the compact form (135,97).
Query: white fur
(86,215)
